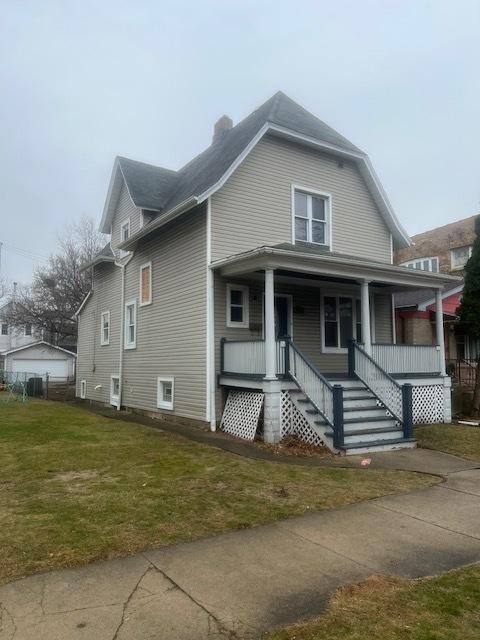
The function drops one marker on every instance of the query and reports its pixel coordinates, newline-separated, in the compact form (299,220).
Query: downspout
(210,337)
(122,265)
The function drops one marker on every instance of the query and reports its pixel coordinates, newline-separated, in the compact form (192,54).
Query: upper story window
(460,256)
(423,264)
(105,328)
(124,235)
(4,329)
(28,329)
(146,284)
(311,214)
(131,325)
(237,306)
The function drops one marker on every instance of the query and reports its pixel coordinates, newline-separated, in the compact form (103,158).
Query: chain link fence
(21,385)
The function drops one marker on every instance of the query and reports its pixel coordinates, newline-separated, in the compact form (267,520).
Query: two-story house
(254,286)
(445,249)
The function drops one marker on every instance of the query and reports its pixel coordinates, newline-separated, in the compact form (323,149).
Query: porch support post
(270,350)
(365,305)
(439,329)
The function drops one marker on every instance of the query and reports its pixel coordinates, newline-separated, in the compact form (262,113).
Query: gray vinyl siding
(253,208)
(383,318)
(125,209)
(171,332)
(96,363)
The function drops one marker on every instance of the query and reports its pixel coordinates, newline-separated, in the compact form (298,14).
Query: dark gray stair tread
(369,397)
(312,411)
(376,443)
(322,423)
(361,432)
(303,400)
(295,391)
(369,419)
(374,407)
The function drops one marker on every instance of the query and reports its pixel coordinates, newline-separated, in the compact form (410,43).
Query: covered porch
(316,320)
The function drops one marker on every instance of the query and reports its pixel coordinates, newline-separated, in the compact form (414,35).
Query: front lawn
(76,487)
(459,440)
(443,608)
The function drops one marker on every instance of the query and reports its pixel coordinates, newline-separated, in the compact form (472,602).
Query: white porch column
(439,329)
(365,305)
(270,358)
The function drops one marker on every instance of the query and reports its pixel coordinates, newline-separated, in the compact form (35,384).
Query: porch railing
(406,358)
(247,357)
(463,371)
(396,398)
(326,398)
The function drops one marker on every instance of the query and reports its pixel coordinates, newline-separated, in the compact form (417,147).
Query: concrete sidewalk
(242,583)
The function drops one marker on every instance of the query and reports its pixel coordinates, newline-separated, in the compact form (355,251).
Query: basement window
(165,387)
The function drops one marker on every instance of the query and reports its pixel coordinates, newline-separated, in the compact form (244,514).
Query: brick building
(444,249)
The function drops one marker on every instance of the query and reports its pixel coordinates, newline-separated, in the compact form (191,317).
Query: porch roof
(321,262)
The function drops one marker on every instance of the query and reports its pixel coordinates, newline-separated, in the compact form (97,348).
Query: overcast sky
(84,81)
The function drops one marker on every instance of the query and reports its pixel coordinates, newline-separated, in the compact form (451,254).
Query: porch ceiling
(328,266)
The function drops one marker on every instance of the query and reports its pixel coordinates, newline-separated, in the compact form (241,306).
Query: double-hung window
(342,321)
(460,257)
(311,212)
(28,329)
(146,284)
(131,324)
(124,235)
(237,306)
(4,329)
(105,328)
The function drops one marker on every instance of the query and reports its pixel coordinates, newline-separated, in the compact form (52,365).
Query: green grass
(443,608)
(456,439)
(76,487)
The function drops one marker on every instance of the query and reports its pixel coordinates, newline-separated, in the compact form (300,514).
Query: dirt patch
(293,446)
(76,476)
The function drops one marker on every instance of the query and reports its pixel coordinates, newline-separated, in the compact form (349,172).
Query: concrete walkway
(242,583)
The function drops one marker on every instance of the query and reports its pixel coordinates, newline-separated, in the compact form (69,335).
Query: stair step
(372,419)
(378,443)
(322,423)
(364,432)
(303,400)
(312,411)
(372,407)
(360,397)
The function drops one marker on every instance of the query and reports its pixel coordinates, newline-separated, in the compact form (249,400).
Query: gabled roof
(421,299)
(171,193)
(37,344)
(104,255)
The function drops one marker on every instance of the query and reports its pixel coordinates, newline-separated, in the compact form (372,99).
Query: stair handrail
(396,398)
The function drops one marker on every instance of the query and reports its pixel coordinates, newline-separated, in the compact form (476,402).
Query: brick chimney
(222,125)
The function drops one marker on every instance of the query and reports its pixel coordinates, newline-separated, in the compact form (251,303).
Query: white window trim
(161,404)
(83,389)
(125,223)
(127,344)
(114,398)
(328,213)
(456,267)
(410,264)
(104,342)
(340,294)
(246,306)
(144,266)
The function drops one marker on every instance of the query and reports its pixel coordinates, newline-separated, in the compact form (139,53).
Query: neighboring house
(280,227)
(41,359)
(11,336)
(445,250)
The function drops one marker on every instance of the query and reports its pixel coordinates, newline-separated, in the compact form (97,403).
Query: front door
(282,317)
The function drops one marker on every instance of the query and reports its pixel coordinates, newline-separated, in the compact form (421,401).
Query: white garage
(41,358)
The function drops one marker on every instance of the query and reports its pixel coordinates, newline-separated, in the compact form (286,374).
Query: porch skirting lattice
(428,404)
(242,413)
(295,424)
